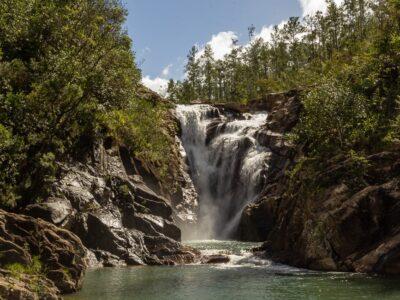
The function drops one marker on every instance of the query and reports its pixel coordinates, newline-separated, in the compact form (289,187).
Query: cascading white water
(227,165)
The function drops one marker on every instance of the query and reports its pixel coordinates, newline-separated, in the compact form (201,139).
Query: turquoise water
(245,277)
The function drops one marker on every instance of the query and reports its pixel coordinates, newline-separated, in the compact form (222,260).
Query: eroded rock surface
(118,217)
(38,259)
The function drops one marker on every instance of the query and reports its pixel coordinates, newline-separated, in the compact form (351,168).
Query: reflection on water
(244,278)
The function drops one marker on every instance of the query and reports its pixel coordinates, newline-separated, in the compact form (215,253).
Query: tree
(193,71)
(333,24)
(335,119)
(208,72)
(172,90)
(292,32)
(253,67)
(251,30)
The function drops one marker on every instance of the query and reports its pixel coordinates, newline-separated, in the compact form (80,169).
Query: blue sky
(164,30)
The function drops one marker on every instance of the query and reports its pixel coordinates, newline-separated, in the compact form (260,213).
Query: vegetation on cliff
(68,76)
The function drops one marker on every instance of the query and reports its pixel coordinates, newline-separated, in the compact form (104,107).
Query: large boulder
(35,253)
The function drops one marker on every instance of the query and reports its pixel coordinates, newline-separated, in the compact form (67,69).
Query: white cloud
(267,31)
(221,44)
(158,84)
(310,7)
(165,72)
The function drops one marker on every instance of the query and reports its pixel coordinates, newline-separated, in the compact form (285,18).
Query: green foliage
(335,119)
(357,165)
(359,34)
(143,127)
(10,157)
(32,273)
(67,74)
(124,190)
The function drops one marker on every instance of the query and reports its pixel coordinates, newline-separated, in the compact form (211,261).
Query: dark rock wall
(118,217)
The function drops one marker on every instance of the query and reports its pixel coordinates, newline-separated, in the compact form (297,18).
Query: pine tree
(193,71)
(208,72)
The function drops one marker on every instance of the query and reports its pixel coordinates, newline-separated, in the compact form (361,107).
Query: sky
(163,31)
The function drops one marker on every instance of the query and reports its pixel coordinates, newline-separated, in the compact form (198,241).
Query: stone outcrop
(347,224)
(118,217)
(341,229)
(38,259)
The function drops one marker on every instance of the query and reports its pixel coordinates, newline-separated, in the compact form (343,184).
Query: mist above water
(227,165)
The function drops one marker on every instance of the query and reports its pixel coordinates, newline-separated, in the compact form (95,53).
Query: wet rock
(111,209)
(185,199)
(215,259)
(170,252)
(55,210)
(257,220)
(107,259)
(284,114)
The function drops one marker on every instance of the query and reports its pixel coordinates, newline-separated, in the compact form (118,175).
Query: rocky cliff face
(121,221)
(105,208)
(342,225)
(38,259)
(337,229)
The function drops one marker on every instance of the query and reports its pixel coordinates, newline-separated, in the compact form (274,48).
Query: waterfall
(227,165)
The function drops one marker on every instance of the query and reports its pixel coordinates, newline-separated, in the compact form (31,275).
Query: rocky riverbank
(345,217)
(100,213)
(108,209)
